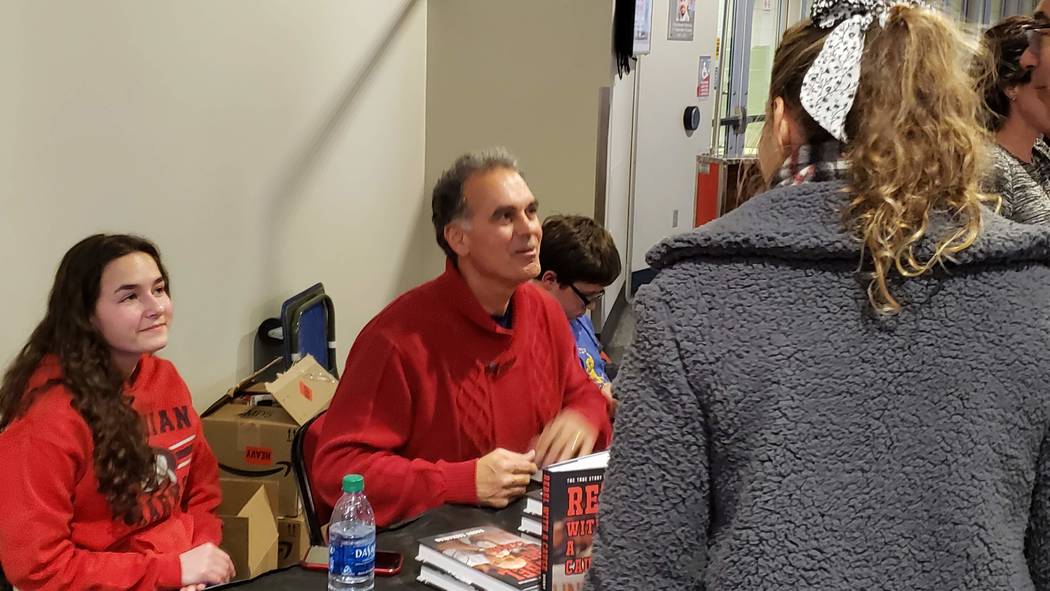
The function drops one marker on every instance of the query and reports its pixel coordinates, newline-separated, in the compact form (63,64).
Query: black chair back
(304,444)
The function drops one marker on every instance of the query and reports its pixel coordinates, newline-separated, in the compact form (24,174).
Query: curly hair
(915,144)
(122,458)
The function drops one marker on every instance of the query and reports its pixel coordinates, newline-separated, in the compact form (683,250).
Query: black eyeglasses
(1034,35)
(587,300)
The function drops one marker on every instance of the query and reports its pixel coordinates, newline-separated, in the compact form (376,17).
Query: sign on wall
(680,19)
(643,26)
(703,81)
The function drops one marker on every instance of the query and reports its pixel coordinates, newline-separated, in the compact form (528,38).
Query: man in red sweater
(461,387)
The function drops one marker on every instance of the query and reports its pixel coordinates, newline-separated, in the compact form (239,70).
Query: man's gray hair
(447,203)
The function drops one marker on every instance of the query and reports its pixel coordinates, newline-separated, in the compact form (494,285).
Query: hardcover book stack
(532,515)
(486,558)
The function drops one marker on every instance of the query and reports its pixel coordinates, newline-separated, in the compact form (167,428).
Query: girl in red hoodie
(107,481)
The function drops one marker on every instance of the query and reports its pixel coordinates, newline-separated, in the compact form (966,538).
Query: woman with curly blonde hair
(845,382)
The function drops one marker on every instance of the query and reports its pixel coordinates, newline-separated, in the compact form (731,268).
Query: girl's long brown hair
(915,143)
(122,458)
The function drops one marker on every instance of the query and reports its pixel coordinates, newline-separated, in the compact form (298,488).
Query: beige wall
(233,134)
(526,75)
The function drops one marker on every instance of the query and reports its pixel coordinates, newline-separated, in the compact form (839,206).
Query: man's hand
(502,476)
(569,435)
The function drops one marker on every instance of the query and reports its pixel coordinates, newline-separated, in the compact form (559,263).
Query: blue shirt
(506,318)
(588,349)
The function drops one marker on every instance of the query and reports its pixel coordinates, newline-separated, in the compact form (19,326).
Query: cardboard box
(304,390)
(244,488)
(249,533)
(256,441)
(293,540)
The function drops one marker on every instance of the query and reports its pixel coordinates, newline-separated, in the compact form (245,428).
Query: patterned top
(589,349)
(812,163)
(1025,187)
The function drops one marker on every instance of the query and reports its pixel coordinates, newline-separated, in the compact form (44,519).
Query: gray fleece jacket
(774,433)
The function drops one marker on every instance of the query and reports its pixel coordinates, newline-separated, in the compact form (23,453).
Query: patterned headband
(831,83)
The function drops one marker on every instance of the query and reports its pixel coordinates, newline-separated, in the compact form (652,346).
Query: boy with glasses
(578,260)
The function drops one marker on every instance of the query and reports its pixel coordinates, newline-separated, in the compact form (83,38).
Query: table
(402,539)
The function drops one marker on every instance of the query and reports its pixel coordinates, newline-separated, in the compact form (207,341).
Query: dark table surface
(403,539)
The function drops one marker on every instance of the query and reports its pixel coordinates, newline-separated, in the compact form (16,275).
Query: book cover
(570,519)
(487,557)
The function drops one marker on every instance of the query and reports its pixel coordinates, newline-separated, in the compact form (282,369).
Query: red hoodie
(57,531)
(433,383)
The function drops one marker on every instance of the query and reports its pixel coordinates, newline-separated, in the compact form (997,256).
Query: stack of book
(570,519)
(532,515)
(486,558)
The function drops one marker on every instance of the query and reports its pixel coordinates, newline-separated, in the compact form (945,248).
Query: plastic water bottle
(352,539)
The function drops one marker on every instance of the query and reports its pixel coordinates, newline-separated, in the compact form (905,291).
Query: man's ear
(549,279)
(457,238)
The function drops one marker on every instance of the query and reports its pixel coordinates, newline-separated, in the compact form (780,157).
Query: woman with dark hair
(107,482)
(1017,116)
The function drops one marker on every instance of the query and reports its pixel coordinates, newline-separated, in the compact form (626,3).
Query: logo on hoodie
(161,491)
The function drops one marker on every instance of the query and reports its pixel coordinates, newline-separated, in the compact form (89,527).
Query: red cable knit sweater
(433,383)
(57,531)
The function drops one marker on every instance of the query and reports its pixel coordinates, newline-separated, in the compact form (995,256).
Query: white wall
(665,172)
(526,75)
(618,182)
(233,135)
(9,66)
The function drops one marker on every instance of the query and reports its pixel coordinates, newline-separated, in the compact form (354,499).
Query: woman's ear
(776,134)
(782,125)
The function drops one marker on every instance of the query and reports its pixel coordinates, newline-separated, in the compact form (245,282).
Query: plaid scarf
(812,163)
